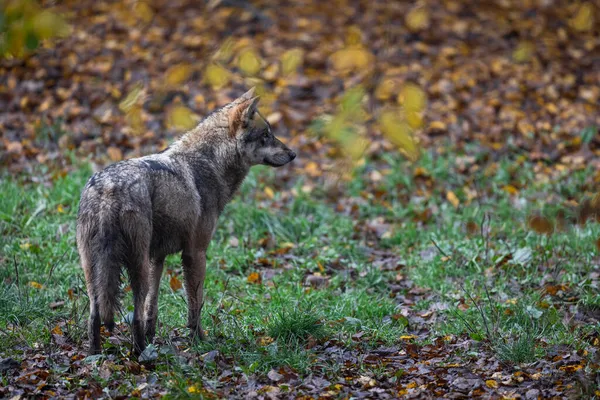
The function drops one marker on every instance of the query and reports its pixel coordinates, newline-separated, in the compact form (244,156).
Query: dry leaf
(269,192)
(217,76)
(492,384)
(133,97)
(36,285)
(417,19)
(412,98)
(351,59)
(249,62)
(177,74)
(181,118)
(399,133)
(254,277)
(451,197)
(584,18)
(540,224)
(291,60)
(175,283)
(114,153)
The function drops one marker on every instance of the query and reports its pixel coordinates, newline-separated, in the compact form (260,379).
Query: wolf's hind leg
(151,303)
(137,228)
(194,269)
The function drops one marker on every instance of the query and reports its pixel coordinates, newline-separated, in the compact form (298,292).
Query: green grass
(491,283)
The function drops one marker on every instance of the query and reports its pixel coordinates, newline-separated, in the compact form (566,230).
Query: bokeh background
(339,80)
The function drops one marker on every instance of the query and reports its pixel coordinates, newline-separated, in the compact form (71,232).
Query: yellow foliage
(412,98)
(291,60)
(249,62)
(397,131)
(584,18)
(178,74)
(417,19)
(351,59)
(217,76)
(182,118)
(523,52)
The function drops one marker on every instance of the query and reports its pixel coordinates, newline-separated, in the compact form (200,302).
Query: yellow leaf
(254,277)
(47,25)
(523,52)
(510,189)
(412,98)
(411,385)
(451,197)
(132,98)
(269,192)
(291,60)
(226,50)
(25,246)
(217,76)
(437,126)
(492,384)
(354,146)
(414,119)
(417,19)
(143,11)
(178,74)
(265,340)
(181,118)
(584,19)
(571,368)
(351,59)
(399,133)
(193,389)
(408,337)
(313,169)
(135,120)
(249,62)
(36,285)
(175,283)
(386,89)
(353,36)
(57,330)
(60,209)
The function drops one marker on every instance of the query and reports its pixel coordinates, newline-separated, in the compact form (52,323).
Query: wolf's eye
(264,138)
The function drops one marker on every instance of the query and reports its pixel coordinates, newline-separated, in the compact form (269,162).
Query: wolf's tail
(101,249)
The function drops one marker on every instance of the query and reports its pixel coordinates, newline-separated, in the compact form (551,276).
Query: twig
(54,266)
(17,276)
(439,248)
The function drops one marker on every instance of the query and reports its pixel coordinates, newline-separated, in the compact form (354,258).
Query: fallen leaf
(492,384)
(178,74)
(36,285)
(451,197)
(254,277)
(175,283)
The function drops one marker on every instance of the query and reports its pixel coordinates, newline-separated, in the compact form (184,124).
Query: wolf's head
(253,135)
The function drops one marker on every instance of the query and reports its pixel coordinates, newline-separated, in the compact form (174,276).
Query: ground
(436,237)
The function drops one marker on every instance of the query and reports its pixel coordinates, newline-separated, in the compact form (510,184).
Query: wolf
(134,213)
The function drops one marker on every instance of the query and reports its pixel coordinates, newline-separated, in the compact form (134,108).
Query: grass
(479,260)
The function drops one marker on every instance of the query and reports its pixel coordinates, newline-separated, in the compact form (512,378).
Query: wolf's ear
(247,96)
(241,113)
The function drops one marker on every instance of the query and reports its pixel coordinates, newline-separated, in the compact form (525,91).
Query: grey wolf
(134,213)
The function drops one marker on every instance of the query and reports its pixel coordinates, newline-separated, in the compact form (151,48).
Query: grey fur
(136,212)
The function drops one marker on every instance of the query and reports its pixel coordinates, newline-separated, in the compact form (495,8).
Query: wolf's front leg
(194,270)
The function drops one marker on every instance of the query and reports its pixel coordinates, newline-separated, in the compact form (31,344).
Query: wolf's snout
(292,155)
